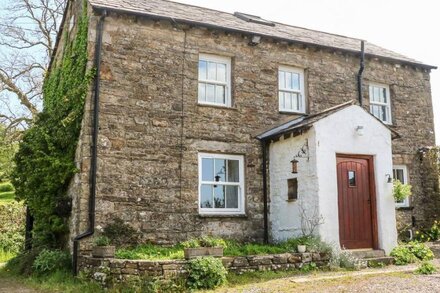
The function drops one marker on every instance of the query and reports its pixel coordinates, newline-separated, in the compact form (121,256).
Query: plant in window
(401,191)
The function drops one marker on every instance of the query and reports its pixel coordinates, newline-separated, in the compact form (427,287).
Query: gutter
(94,158)
(265,209)
(246,32)
(361,71)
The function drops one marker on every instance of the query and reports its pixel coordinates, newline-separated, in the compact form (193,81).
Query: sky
(411,28)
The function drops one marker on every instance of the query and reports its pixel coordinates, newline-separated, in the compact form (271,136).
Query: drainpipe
(266,229)
(359,76)
(93,164)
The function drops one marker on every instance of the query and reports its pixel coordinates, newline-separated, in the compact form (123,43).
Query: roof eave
(212,26)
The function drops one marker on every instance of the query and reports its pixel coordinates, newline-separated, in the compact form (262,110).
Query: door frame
(372,188)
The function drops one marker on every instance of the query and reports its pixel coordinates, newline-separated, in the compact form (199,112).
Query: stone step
(368,253)
(375,262)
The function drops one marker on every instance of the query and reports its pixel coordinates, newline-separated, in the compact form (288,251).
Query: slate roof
(303,123)
(163,9)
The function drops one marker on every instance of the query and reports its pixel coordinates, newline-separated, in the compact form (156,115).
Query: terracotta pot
(103,251)
(302,248)
(203,251)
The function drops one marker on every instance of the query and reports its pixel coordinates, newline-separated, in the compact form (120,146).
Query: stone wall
(151,127)
(121,269)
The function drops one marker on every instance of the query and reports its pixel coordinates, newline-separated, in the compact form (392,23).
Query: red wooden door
(354,203)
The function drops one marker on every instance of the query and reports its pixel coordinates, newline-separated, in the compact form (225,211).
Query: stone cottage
(205,122)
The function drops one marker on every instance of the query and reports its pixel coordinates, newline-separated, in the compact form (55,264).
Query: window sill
(291,200)
(404,208)
(223,216)
(292,113)
(217,106)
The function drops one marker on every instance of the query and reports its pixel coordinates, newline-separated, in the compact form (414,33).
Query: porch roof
(301,124)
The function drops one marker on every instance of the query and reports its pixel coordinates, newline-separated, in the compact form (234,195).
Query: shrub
(401,191)
(121,234)
(310,267)
(411,252)
(344,259)
(6,187)
(12,218)
(426,268)
(205,241)
(22,263)
(102,241)
(432,234)
(51,260)
(206,273)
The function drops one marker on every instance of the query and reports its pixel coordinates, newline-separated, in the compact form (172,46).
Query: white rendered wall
(284,216)
(336,134)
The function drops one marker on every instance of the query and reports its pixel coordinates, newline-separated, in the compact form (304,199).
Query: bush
(426,268)
(6,187)
(12,226)
(344,259)
(22,263)
(102,241)
(121,234)
(206,273)
(432,234)
(205,241)
(411,252)
(49,261)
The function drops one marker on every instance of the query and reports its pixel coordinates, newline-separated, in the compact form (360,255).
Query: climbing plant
(45,159)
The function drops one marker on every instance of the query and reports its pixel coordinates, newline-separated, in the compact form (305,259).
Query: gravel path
(389,279)
(8,285)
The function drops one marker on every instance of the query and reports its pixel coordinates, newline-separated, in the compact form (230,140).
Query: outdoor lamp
(294,166)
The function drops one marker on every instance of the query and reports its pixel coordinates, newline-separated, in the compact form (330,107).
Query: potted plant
(205,246)
(401,191)
(102,248)
(301,248)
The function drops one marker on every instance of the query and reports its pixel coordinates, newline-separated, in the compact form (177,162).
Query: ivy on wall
(45,159)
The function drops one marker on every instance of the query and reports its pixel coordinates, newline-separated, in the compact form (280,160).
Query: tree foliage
(45,159)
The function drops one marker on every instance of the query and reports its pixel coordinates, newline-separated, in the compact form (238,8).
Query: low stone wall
(122,269)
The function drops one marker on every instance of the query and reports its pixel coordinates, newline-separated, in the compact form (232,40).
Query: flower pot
(203,251)
(302,248)
(103,251)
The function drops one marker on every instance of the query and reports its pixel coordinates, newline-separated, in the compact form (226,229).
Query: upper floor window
(221,184)
(214,80)
(291,90)
(380,105)
(400,172)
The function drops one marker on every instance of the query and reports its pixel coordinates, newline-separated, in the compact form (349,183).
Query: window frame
(301,91)
(389,121)
(404,168)
(227,83)
(241,191)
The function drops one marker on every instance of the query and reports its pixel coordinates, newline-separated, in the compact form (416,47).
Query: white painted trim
(388,104)
(405,203)
(227,84)
(241,191)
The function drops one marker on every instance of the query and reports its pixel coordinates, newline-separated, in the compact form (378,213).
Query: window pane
(212,69)
(221,72)
(210,93)
(376,94)
(398,174)
(281,80)
(220,94)
(288,101)
(206,196)
(219,196)
(295,81)
(233,172)
(384,95)
(207,169)
(220,170)
(288,80)
(351,178)
(202,70)
(295,102)
(202,92)
(232,197)
(383,113)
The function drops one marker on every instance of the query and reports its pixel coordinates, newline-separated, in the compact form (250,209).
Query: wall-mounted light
(389,178)
(255,40)
(360,130)
(294,163)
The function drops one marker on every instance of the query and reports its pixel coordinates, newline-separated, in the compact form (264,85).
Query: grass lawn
(7,197)
(155,252)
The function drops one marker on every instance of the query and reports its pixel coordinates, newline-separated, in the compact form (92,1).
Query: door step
(372,258)
(367,253)
(376,262)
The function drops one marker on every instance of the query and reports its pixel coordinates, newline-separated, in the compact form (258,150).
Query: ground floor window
(221,184)
(400,172)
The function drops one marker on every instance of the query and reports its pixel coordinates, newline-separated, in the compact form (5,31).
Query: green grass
(6,255)
(155,252)
(60,281)
(7,197)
